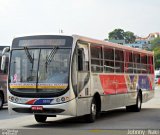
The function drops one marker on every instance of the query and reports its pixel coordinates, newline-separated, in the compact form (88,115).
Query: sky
(90,18)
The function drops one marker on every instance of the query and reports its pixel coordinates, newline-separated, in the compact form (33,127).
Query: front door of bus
(83,77)
(83,71)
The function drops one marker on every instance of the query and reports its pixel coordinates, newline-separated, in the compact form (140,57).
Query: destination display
(42,42)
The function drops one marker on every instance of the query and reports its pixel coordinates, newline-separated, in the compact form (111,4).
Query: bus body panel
(69,106)
(83,105)
(125,94)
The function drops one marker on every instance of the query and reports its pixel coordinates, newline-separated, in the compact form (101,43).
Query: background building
(141,43)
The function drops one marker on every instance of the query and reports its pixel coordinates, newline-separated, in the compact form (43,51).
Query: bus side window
(80,59)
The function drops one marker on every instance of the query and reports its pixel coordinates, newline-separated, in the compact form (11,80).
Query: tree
(156,48)
(129,37)
(119,34)
(157,57)
(155,43)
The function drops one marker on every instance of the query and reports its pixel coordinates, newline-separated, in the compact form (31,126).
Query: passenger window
(96,59)
(137,65)
(128,62)
(119,61)
(144,63)
(108,60)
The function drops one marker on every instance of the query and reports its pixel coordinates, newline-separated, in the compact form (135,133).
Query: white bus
(74,75)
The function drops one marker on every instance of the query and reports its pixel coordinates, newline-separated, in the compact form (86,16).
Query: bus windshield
(39,70)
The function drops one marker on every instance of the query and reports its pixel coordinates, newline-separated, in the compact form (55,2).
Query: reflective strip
(25,86)
(51,87)
(40,86)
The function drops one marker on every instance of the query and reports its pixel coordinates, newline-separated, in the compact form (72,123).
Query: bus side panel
(83,105)
(121,90)
(96,86)
(132,83)
(148,93)
(84,96)
(139,82)
(114,90)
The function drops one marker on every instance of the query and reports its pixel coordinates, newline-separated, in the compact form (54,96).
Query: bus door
(83,78)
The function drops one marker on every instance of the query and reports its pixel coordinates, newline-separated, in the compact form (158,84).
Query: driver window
(83,62)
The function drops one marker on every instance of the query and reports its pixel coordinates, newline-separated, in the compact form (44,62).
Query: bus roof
(91,40)
(78,37)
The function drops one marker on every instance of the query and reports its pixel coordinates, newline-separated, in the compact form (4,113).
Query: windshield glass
(22,69)
(39,70)
(54,66)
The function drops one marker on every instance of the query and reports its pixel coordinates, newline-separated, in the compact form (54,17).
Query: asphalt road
(117,121)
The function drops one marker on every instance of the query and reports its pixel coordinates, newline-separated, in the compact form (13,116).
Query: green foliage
(157,57)
(119,34)
(155,43)
(156,48)
(129,37)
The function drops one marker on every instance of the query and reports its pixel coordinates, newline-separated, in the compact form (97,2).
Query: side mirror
(6,49)
(3,63)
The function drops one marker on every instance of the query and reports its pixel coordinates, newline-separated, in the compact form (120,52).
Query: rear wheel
(138,103)
(1,101)
(40,118)
(93,112)
(137,106)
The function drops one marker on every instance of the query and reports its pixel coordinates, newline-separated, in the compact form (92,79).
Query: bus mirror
(3,63)
(6,49)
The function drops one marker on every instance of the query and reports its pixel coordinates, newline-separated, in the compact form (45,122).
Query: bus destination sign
(42,42)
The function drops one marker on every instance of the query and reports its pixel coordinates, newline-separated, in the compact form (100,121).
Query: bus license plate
(37,108)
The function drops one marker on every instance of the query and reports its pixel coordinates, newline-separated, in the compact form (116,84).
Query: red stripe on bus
(31,102)
(113,84)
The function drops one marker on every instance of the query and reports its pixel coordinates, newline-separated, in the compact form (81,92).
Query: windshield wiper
(29,56)
(50,56)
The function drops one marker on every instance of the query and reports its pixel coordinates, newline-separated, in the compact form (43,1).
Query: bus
(53,75)
(3,80)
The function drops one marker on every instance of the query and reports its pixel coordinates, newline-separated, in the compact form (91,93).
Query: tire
(40,118)
(1,101)
(137,106)
(93,112)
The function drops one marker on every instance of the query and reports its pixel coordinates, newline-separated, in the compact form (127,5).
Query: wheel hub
(93,109)
(139,102)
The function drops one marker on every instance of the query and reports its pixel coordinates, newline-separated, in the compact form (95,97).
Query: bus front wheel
(93,112)
(40,118)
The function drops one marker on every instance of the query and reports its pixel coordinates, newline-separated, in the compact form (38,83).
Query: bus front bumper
(68,108)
